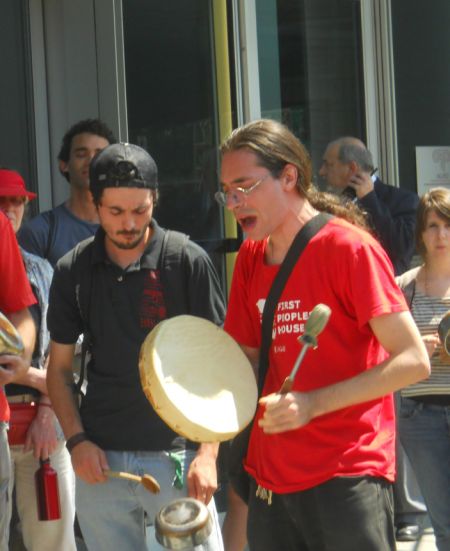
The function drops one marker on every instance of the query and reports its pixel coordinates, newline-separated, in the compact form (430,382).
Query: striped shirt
(427,312)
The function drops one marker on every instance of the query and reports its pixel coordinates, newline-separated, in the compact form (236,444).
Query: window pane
(17,149)
(422,80)
(171,107)
(311,68)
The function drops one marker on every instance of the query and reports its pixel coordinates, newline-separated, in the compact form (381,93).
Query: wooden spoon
(149,483)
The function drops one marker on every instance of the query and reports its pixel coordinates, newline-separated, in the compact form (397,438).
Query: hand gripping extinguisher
(47,494)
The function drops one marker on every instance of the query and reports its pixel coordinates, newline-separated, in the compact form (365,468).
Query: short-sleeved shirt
(15,289)
(53,233)
(345,268)
(124,306)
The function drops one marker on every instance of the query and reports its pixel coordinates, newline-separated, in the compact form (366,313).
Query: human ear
(353,167)
(290,176)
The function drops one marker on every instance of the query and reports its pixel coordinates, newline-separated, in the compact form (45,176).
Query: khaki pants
(55,535)
(5,510)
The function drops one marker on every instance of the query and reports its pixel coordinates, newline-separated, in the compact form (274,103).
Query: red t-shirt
(345,268)
(15,289)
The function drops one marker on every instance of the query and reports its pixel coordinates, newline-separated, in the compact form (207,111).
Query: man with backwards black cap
(114,286)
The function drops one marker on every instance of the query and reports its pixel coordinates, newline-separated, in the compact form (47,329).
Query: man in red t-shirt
(323,453)
(15,297)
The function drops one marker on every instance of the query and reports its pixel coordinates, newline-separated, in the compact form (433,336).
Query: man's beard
(130,244)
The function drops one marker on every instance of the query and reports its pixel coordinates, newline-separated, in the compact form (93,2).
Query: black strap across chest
(299,244)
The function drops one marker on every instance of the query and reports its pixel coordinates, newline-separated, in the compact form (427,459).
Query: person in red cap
(13,196)
(15,298)
(13,185)
(43,437)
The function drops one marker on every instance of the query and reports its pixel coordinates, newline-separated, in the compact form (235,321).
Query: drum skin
(197,379)
(10,340)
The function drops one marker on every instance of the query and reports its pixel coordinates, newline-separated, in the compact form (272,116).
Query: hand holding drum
(198,379)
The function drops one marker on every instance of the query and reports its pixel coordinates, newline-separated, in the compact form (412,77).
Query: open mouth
(247,223)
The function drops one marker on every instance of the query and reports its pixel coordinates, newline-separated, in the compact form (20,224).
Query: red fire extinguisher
(46,479)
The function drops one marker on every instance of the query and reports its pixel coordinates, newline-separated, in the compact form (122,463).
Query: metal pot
(10,341)
(444,332)
(183,524)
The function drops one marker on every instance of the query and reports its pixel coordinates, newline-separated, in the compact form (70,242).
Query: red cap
(12,185)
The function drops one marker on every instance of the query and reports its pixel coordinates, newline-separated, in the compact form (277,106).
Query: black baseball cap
(122,165)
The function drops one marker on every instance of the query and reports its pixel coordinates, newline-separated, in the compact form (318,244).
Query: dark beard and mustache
(130,244)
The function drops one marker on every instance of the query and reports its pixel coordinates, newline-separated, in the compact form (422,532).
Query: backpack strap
(299,244)
(238,476)
(51,233)
(173,274)
(84,291)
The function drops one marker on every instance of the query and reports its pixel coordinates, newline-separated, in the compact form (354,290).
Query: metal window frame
(379,81)
(40,101)
(246,61)
(378,69)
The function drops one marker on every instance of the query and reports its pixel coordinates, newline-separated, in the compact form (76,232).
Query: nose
(322,171)
(235,199)
(231,202)
(128,223)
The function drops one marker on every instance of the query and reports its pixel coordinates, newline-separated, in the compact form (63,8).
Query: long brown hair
(275,146)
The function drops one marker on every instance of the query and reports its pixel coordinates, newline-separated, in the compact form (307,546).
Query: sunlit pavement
(425,543)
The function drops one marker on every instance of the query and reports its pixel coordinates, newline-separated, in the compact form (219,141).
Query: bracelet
(75,440)
(44,404)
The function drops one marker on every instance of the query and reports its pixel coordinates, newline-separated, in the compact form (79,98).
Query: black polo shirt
(123,306)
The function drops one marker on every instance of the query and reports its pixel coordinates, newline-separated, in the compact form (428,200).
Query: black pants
(341,514)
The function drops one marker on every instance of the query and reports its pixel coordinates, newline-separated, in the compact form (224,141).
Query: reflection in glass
(310,66)
(171,107)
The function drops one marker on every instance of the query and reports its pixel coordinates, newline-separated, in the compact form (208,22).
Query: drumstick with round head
(317,320)
(316,323)
(149,483)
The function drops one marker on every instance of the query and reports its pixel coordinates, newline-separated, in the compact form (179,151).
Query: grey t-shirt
(53,233)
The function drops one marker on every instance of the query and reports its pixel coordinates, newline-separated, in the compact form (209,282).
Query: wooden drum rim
(197,379)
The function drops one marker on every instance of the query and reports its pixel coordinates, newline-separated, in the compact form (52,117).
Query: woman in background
(424,412)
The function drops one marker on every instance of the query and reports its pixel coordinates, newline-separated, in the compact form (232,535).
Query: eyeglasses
(236,195)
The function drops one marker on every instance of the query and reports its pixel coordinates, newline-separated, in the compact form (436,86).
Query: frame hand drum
(10,340)
(198,379)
